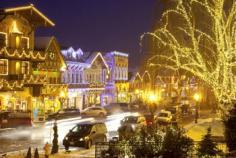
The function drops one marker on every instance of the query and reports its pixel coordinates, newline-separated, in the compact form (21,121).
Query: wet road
(22,138)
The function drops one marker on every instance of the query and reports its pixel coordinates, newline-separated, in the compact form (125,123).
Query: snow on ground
(197,131)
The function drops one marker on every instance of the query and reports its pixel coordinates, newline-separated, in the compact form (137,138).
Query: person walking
(47,150)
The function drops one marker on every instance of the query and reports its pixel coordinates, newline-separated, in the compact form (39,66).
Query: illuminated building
(117,88)
(27,71)
(52,68)
(86,76)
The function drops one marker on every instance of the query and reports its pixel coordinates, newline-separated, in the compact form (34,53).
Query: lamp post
(197,98)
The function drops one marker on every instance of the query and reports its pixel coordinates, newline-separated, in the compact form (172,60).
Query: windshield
(130,120)
(82,129)
(163,115)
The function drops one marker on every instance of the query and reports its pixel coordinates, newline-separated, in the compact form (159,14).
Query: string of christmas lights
(207,51)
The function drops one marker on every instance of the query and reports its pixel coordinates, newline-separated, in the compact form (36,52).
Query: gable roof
(41,43)
(31,13)
(93,56)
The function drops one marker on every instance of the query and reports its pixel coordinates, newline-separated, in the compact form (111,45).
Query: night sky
(97,25)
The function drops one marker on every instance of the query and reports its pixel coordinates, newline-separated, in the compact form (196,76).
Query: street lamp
(197,98)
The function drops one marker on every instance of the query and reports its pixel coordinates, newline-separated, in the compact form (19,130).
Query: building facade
(86,76)
(117,89)
(25,70)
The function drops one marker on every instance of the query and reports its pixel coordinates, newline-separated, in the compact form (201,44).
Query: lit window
(25,67)
(25,42)
(17,41)
(3,66)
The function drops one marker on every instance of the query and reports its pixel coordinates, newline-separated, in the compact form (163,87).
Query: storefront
(15,101)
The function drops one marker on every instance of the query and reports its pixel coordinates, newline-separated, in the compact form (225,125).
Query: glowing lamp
(197,97)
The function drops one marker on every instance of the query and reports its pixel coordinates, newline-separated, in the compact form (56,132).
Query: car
(134,121)
(175,112)
(85,135)
(164,117)
(64,113)
(129,125)
(95,111)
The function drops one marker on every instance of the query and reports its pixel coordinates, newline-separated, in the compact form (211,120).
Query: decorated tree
(55,140)
(230,129)
(28,155)
(176,144)
(36,153)
(207,148)
(198,37)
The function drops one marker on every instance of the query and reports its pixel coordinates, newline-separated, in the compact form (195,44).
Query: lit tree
(198,36)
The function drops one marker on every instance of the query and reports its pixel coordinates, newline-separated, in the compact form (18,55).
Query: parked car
(134,121)
(129,125)
(94,111)
(85,135)
(64,113)
(175,112)
(164,117)
(150,120)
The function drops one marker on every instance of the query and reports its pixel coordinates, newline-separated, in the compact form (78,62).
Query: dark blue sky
(97,25)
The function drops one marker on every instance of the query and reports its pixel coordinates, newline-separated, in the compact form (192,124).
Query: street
(22,138)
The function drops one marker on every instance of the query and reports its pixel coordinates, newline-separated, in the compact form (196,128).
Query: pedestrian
(47,150)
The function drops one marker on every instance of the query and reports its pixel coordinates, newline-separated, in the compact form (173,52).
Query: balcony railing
(22,54)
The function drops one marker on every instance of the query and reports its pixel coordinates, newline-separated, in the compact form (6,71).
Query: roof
(31,13)
(41,43)
(78,55)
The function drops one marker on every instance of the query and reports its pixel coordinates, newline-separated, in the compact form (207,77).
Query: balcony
(17,77)
(22,54)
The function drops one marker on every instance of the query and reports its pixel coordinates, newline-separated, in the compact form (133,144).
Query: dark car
(85,135)
(65,113)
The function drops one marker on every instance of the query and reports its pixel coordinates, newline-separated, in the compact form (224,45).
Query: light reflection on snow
(44,133)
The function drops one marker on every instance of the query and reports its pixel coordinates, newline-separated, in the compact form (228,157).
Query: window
(3,39)
(25,42)
(68,77)
(3,66)
(25,67)
(72,78)
(17,41)
(77,78)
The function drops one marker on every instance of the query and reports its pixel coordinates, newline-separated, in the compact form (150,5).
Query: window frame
(6,67)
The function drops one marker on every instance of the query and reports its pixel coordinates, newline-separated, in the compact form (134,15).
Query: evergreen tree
(55,140)
(176,144)
(230,129)
(28,153)
(207,148)
(36,153)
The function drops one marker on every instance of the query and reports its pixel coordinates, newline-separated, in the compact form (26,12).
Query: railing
(22,54)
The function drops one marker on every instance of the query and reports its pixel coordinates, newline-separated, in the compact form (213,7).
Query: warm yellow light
(197,97)
(63,68)
(137,91)
(15,28)
(152,97)
(62,94)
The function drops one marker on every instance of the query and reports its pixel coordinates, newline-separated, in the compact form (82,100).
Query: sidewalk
(197,130)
